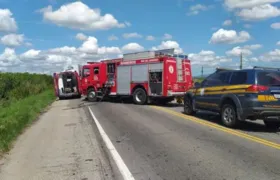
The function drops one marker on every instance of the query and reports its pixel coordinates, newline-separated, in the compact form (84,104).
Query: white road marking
(117,158)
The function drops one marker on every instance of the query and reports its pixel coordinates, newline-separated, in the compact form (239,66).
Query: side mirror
(197,84)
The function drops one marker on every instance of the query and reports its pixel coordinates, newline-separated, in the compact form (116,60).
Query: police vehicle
(238,95)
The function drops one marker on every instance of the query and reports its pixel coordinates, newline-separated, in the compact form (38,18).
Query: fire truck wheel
(139,96)
(91,95)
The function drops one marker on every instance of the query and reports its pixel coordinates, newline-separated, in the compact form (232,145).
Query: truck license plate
(277,96)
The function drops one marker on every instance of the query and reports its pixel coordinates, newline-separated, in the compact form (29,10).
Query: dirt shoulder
(60,145)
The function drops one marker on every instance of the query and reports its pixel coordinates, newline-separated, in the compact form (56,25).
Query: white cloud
(113,38)
(169,45)
(232,4)
(275,52)
(275,25)
(89,46)
(150,38)
(12,40)
(227,23)
(132,47)
(196,9)
(28,44)
(30,54)
(132,35)
(58,59)
(128,24)
(207,58)
(223,36)
(271,56)
(81,37)
(65,50)
(253,59)
(278,43)
(236,51)
(109,50)
(77,15)
(7,22)
(9,58)
(258,13)
(245,50)
(214,28)
(253,46)
(247,26)
(167,36)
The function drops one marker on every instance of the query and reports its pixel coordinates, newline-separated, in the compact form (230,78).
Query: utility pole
(241,60)
(202,71)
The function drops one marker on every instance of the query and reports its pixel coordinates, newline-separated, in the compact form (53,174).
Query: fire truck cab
(157,76)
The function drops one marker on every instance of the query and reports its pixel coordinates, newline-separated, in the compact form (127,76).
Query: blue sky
(41,35)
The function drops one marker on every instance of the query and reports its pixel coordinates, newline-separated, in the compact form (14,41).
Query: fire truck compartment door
(156,67)
(140,73)
(123,80)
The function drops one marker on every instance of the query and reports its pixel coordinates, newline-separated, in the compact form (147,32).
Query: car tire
(229,116)
(139,96)
(272,124)
(188,107)
(91,95)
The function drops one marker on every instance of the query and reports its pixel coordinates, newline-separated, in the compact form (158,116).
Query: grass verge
(18,115)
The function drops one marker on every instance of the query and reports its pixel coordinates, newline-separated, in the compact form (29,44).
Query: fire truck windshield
(86,72)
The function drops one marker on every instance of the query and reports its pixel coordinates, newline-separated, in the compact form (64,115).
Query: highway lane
(255,128)
(157,145)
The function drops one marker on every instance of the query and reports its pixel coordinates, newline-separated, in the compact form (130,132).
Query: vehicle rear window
(238,78)
(269,78)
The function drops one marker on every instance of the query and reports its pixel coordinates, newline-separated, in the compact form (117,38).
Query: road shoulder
(61,145)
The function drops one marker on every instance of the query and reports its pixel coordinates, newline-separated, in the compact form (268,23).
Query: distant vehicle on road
(238,95)
(66,84)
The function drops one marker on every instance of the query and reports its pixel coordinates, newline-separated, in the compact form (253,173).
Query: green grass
(16,86)
(19,114)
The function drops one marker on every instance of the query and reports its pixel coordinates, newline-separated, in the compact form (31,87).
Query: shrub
(15,86)
(22,97)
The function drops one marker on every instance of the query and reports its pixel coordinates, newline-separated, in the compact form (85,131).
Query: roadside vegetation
(23,97)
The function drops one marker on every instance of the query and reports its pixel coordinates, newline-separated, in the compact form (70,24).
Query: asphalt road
(155,144)
(254,128)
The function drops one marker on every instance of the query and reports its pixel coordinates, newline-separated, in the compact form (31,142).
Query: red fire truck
(66,84)
(146,76)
